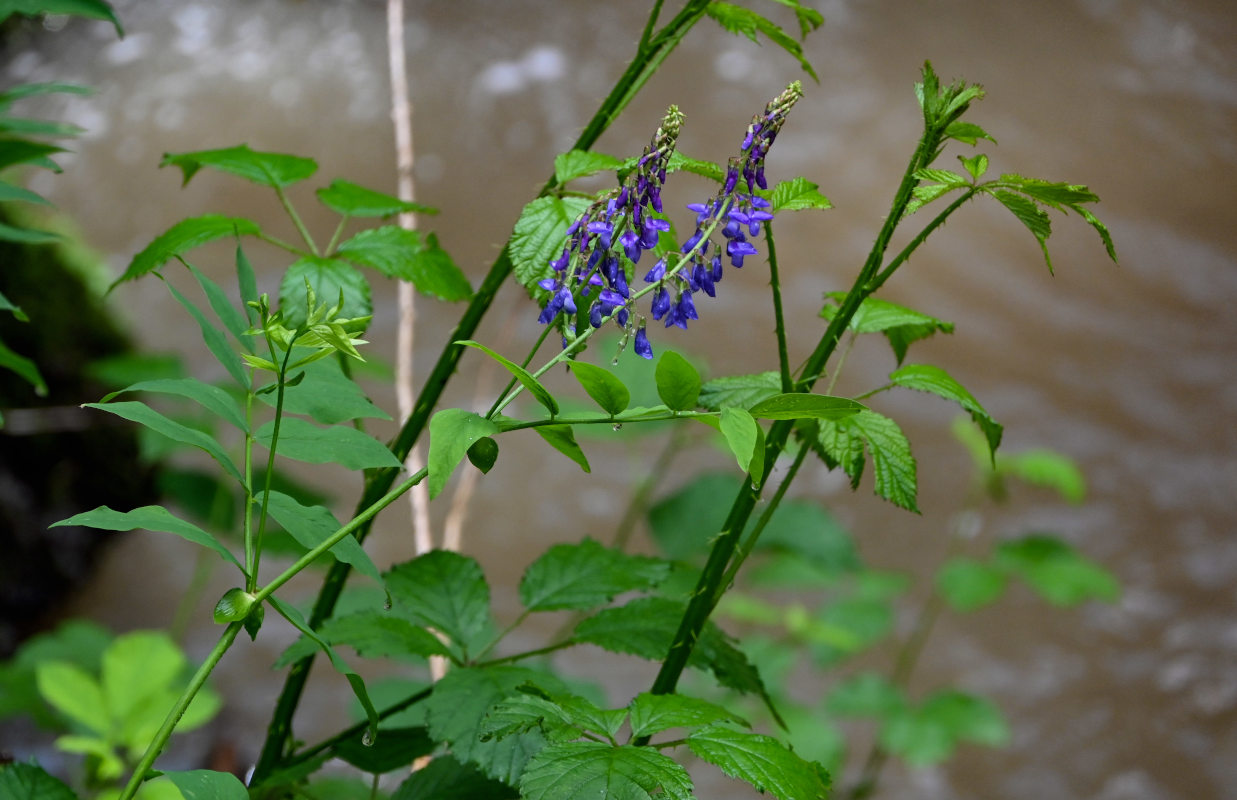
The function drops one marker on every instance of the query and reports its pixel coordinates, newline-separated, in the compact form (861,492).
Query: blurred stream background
(1129,369)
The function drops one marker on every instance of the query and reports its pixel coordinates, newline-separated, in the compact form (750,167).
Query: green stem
(350,734)
(532,353)
(339,231)
(182,703)
(296,220)
(540,651)
(252,583)
(282,245)
(779,322)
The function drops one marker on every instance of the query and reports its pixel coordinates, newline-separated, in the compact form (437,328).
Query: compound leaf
(586,575)
(593,769)
(349,199)
(275,170)
(445,591)
(183,237)
(762,761)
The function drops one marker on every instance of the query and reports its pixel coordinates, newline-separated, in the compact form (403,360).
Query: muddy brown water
(1128,369)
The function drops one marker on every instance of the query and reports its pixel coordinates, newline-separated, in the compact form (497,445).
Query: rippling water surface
(1128,369)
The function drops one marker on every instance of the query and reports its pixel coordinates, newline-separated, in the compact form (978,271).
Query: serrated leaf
(151,518)
(445,591)
(746,440)
(741,391)
(927,378)
(679,162)
(682,523)
(976,165)
(275,170)
(1030,215)
(739,20)
(606,390)
(327,395)
(563,439)
(456,709)
(892,462)
(867,694)
(396,748)
(654,713)
(349,199)
(212,398)
(372,633)
(947,177)
(929,734)
(76,694)
(559,716)
(405,255)
(678,382)
(539,237)
(762,761)
(338,444)
(530,383)
(328,277)
(143,414)
(444,778)
(967,132)
(183,237)
(312,525)
(593,769)
(585,575)
(878,316)
(797,194)
(1056,571)
(452,432)
(31,782)
(800,405)
(967,584)
(579,163)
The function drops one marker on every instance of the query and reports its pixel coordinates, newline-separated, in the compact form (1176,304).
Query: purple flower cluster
(591,258)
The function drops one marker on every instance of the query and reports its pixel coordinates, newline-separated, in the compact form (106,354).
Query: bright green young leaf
(231,317)
(75,693)
(606,390)
(247,285)
(927,378)
(1031,216)
(678,382)
(338,444)
(562,439)
(212,398)
(798,405)
(741,391)
(235,605)
(452,432)
(328,277)
(976,165)
(406,255)
(654,713)
(76,642)
(290,613)
(746,439)
(205,784)
(151,518)
(136,666)
(743,21)
(23,367)
(327,395)
(539,237)
(395,749)
(183,237)
(967,133)
(919,741)
(530,383)
(444,778)
(762,761)
(457,708)
(580,163)
(930,733)
(312,525)
(797,194)
(349,199)
(214,339)
(867,694)
(881,316)
(445,591)
(1056,571)
(968,585)
(572,770)
(1048,469)
(585,575)
(275,170)
(681,163)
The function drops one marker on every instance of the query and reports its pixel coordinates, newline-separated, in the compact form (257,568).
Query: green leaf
(444,778)
(235,605)
(585,575)
(247,284)
(231,317)
(23,367)
(798,405)
(91,9)
(483,454)
(327,395)
(742,391)
(372,633)
(405,255)
(76,694)
(144,415)
(881,316)
(445,591)
(1030,215)
(762,761)
(136,666)
(1048,469)
(681,163)
(396,748)
(20,126)
(967,133)
(349,199)
(183,237)
(205,784)
(452,432)
(10,193)
(312,525)
(740,20)
(683,523)
(328,277)
(976,165)
(867,694)
(808,532)
(22,151)
(31,782)
(539,237)
(580,163)
(606,390)
(358,686)
(212,398)
(930,733)
(10,233)
(968,585)
(927,378)
(1056,571)
(338,444)
(892,462)
(797,194)
(275,170)
(746,440)
(678,383)
(457,708)
(562,439)
(151,518)
(215,341)
(593,769)
(530,383)
(654,713)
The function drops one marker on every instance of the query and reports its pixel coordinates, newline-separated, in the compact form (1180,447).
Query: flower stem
(779,322)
